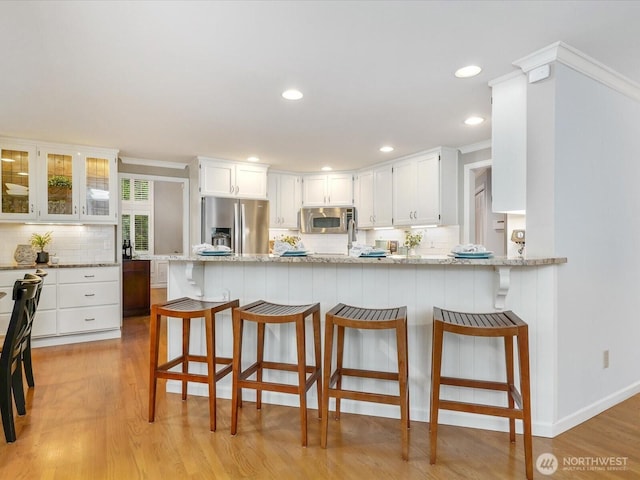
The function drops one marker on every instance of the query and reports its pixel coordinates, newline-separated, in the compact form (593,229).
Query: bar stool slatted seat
(346,316)
(187,309)
(501,324)
(262,313)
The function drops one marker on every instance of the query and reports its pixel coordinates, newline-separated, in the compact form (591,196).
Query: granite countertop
(59,265)
(390,260)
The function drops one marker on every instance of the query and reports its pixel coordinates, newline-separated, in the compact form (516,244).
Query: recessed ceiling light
(253,159)
(469,71)
(386,149)
(292,94)
(326,169)
(474,121)
(8,160)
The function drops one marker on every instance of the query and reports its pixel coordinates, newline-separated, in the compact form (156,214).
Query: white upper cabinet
(374,197)
(228,179)
(58,183)
(18,176)
(77,185)
(284,193)
(334,189)
(425,189)
(509,143)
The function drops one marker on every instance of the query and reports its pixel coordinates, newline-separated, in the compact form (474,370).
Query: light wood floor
(87,419)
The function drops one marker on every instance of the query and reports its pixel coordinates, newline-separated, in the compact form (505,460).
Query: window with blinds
(137,213)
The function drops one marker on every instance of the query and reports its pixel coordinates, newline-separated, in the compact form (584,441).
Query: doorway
(480,224)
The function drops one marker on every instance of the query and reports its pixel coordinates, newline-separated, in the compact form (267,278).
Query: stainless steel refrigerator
(243,225)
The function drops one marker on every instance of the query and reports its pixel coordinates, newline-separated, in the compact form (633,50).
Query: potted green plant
(411,241)
(41,241)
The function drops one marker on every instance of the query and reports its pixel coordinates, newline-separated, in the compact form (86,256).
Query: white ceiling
(172,80)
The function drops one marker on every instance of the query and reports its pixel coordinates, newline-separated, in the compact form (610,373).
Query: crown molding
(575,59)
(474,147)
(153,163)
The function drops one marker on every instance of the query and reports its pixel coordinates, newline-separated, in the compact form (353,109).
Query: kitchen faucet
(351,234)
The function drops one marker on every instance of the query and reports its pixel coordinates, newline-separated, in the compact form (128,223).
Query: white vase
(24,255)
(411,252)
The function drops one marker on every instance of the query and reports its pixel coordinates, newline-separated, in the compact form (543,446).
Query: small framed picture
(393,246)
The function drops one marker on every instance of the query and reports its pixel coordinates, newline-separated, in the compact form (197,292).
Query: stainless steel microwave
(327,219)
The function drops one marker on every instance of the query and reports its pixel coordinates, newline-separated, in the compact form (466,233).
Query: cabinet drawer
(44,324)
(47,299)
(8,277)
(84,275)
(88,294)
(79,320)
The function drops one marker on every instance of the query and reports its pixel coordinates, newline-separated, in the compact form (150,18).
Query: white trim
(586,413)
(76,338)
(504,78)
(153,163)
(475,147)
(588,66)
(466,183)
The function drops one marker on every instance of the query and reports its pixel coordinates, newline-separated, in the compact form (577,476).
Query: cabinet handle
(329,199)
(32,208)
(231,189)
(75,209)
(415,214)
(410,214)
(89,276)
(83,210)
(89,294)
(237,189)
(89,319)
(374,219)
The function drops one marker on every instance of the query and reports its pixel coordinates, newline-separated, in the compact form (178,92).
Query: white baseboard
(76,338)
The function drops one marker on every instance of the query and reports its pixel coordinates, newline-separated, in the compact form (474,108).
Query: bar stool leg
(235,373)
(525,389)
(261,329)
(186,332)
(436,364)
(508,356)
(406,342)
(302,378)
(318,356)
(340,355)
(154,346)
(210,332)
(401,339)
(326,374)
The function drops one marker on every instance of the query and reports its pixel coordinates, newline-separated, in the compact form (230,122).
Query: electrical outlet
(605,359)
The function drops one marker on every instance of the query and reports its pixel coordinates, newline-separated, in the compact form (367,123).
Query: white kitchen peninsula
(526,286)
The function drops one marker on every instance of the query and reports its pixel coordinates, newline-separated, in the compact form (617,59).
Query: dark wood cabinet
(136,287)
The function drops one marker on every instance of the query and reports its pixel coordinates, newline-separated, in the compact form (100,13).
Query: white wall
(582,195)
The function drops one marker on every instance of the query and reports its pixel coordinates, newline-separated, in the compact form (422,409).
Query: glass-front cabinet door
(78,186)
(17,174)
(99,188)
(59,181)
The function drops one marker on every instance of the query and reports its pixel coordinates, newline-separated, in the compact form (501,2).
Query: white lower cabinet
(73,301)
(88,299)
(76,320)
(45,322)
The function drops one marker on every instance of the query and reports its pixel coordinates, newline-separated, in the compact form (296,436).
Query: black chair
(24,291)
(26,341)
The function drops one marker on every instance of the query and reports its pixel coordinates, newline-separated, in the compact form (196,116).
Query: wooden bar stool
(503,324)
(263,312)
(367,319)
(186,309)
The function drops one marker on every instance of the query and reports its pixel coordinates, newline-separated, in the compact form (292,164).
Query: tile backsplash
(71,243)
(435,241)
